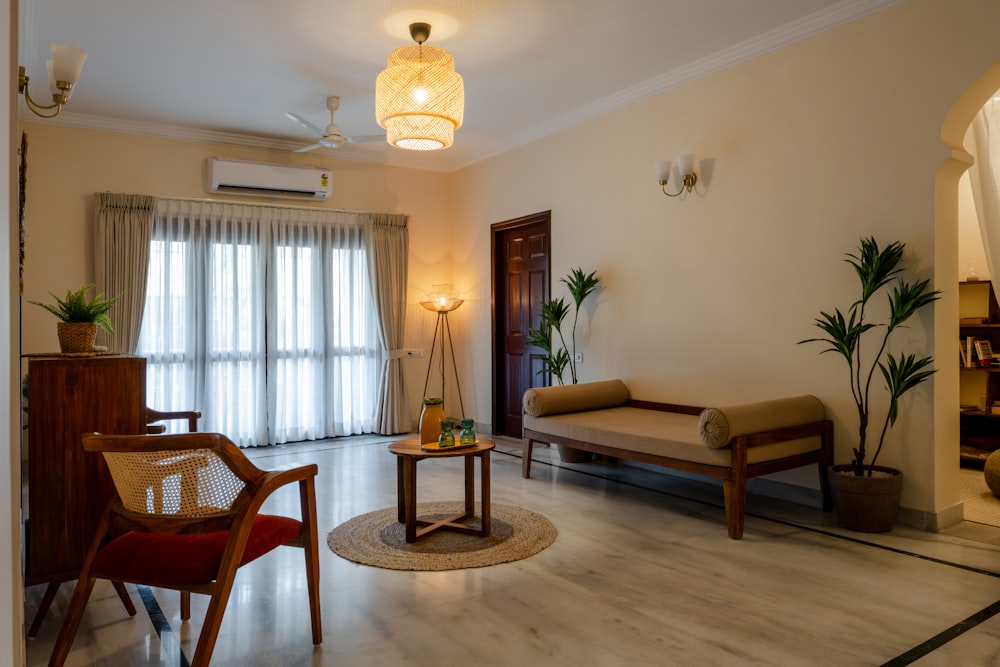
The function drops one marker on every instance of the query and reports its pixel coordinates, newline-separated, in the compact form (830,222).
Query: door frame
(498,348)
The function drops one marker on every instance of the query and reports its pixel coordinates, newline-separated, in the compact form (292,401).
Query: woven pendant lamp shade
(420,98)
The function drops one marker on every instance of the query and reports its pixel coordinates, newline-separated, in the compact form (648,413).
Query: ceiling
(228,70)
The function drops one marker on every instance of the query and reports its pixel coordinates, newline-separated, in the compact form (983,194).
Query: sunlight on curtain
(984,177)
(260,317)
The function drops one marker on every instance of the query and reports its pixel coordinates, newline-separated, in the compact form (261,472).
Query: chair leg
(124,597)
(185,605)
(71,623)
(307,495)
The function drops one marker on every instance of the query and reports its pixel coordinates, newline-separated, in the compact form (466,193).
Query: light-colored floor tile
(642,573)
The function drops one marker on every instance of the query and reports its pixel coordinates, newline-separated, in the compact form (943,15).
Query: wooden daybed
(732,443)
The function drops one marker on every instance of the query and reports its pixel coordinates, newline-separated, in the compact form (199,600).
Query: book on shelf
(972,321)
(969,352)
(984,351)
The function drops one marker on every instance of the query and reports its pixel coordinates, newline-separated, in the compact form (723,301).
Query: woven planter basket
(76,337)
(866,504)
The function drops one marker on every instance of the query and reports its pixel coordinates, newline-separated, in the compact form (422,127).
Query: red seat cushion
(186,559)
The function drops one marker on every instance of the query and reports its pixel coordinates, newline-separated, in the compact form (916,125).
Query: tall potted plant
(557,355)
(866,495)
(79,318)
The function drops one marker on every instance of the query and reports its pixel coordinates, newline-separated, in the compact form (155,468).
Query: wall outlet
(413,353)
(578,357)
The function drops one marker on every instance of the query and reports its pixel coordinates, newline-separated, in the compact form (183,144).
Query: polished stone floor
(642,573)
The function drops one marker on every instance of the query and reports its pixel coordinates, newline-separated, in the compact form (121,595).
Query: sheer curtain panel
(984,176)
(261,317)
(123,226)
(387,244)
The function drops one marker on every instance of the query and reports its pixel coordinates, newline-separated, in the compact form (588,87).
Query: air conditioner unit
(257,179)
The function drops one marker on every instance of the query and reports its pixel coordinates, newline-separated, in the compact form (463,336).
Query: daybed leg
(735,492)
(824,487)
(526,457)
(735,489)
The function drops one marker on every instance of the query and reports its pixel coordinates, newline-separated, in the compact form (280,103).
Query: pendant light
(420,98)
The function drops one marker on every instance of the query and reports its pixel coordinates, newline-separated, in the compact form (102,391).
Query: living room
(809,147)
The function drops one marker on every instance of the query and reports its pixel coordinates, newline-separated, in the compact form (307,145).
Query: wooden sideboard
(68,488)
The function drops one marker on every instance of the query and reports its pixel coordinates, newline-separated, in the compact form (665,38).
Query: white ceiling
(228,70)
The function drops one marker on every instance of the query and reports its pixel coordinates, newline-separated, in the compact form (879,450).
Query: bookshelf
(979,319)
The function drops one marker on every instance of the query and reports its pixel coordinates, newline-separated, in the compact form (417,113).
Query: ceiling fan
(331,136)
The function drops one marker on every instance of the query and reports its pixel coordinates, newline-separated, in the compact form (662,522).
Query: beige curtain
(124,226)
(387,249)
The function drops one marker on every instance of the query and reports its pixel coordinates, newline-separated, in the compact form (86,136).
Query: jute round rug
(377,539)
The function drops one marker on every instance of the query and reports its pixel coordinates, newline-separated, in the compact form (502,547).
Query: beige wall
(811,147)
(814,146)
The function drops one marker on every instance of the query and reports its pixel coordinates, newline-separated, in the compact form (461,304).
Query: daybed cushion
(658,433)
(718,426)
(557,400)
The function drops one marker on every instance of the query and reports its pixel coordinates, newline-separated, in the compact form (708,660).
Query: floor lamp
(443,302)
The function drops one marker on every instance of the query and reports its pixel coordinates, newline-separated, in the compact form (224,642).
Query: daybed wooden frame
(734,477)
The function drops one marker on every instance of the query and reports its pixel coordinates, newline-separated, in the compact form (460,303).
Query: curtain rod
(209,200)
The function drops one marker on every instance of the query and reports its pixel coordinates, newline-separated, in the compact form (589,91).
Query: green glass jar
(467,436)
(447,437)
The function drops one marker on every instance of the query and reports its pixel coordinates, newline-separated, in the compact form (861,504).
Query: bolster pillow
(718,426)
(574,397)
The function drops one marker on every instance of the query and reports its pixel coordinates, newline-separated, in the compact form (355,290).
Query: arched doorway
(946,492)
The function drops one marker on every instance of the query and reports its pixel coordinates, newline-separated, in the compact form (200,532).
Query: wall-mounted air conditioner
(257,179)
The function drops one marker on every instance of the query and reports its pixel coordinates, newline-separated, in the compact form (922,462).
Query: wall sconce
(685,168)
(64,71)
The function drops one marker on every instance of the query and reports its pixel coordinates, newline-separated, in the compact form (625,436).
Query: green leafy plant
(557,355)
(876,268)
(76,308)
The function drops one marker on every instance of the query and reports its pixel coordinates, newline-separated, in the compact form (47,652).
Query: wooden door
(521,250)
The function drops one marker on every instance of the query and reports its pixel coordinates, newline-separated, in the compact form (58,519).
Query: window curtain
(262,318)
(387,249)
(984,176)
(123,228)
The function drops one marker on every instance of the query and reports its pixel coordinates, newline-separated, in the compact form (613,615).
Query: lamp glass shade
(662,169)
(685,164)
(67,62)
(420,98)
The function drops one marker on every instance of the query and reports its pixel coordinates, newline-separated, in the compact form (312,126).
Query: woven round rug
(377,539)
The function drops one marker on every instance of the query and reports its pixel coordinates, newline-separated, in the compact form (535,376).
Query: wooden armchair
(196,537)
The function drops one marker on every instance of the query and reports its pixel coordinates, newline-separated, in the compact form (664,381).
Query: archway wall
(946,270)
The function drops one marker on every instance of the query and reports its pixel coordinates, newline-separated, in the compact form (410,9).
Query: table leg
(410,498)
(470,485)
(484,473)
(401,510)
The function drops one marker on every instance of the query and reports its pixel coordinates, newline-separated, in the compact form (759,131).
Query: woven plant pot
(76,337)
(866,504)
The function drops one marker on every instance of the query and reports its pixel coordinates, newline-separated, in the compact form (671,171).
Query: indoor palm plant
(79,318)
(877,269)
(557,356)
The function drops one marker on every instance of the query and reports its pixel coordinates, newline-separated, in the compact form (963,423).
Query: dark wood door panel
(520,284)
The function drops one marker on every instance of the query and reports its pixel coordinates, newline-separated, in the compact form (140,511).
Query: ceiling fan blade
(308,148)
(365,138)
(306,124)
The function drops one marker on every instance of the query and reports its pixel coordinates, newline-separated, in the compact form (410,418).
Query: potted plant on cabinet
(865,495)
(557,356)
(79,318)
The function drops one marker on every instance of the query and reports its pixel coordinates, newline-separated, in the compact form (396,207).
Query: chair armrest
(152,416)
